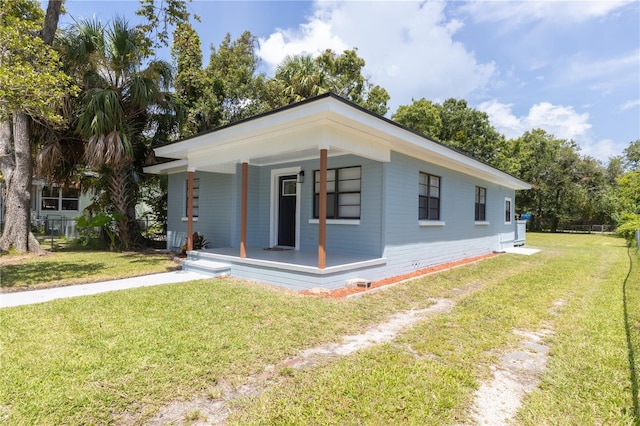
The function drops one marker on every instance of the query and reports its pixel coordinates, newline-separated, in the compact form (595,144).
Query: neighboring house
(396,201)
(53,207)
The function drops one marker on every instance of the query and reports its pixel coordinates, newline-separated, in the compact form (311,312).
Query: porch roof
(297,132)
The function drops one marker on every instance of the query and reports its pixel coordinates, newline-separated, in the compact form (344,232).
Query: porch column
(190,211)
(322,211)
(243,210)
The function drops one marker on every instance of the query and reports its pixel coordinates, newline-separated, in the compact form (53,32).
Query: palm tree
(301,77)
(115,117)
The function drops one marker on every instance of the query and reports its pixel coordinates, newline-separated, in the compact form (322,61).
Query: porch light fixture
(301,176)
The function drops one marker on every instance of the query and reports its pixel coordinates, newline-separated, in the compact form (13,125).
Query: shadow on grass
(28,274)
(633,376)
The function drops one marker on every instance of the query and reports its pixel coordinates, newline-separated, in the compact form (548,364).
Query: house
(324,191)
(53,207)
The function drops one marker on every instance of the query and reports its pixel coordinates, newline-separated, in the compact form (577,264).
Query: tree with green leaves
(189,82)
(470,131)
(632,155)
(629,192)
(32,87)
(422,115)
(301,76)
(160,16)
(234,80)
(550,165)
(596,201)
(227,90)
(461,127)
(125,101)
(628,181)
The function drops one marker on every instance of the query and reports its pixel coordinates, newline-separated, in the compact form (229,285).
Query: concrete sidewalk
(39,296)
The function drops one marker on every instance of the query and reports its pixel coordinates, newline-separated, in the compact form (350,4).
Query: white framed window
(60,199)
(429,197)
(508,210)
(289,187)
(481,204)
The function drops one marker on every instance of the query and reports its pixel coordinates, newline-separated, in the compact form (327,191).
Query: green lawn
(70,264)
(117,357)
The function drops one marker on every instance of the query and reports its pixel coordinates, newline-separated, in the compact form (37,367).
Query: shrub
(628,224)
(199,242)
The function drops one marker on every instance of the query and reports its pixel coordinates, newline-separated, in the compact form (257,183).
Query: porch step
(207,267)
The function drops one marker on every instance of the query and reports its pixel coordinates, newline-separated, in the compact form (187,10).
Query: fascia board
(414,145)
(255,129)
(376,137)
(176,166)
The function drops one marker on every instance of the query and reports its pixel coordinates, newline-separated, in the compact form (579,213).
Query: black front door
(287,211)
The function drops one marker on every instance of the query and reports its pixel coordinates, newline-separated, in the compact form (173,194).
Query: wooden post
(190,211)
(322,211)
(243,210)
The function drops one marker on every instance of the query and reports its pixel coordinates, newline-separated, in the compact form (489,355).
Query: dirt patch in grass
(215,406)
(496,402)
(517,375)
(386,282)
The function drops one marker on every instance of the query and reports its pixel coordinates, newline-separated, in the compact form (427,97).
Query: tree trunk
(120,191)
(16,164)
(16,232)
(7,160)
(51,21)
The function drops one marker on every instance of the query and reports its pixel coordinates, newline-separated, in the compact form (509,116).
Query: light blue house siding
(410,245)
(362,239)
(220,204)
(388,228)
(388,239)
(216,212)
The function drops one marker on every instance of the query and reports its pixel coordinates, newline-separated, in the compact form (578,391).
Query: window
(60,199)
(196,197)
(481,204)
(50,198)
(343,193)
(429,197)
(507,210)
(289,187)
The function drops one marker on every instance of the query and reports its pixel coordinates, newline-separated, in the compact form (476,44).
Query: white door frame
(275,192)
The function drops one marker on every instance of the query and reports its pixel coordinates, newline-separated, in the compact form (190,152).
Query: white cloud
(503,118)
(311,38)
(514,13)
(561,121)
(602,149)
(608,72)
(629,105)
(408,47)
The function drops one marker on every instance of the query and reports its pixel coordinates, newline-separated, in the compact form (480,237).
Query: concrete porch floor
(289,259)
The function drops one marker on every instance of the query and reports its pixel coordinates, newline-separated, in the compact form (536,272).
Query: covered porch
(312,133)
(295,269)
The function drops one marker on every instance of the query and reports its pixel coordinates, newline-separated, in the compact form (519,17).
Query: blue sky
(569,67)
